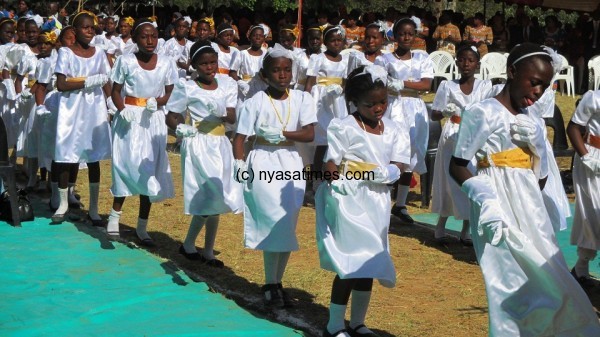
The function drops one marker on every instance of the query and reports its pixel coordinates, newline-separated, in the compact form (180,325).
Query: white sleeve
(441,97)
(178,102)
(475,129)
(308,113)
(337,141)
(62,62)
(589,105)
(247,116)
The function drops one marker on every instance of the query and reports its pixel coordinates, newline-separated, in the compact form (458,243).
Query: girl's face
(372,105)
(467,63)
(373,40)
(257,38)
(203,31)
(100,27)
(45,49)
(32,32)
(193,31)
(68,39)
(146,38)
(110,25)
(287,39)
(405,36)
(21,32)
(124,28)
(314,39)
(84,32)
(182,29)
(7,33)
(334,43)
(225,38)
(278,73)
(206,65)
(529,79)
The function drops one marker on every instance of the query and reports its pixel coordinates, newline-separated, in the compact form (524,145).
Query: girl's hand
(184,130)
(151,104)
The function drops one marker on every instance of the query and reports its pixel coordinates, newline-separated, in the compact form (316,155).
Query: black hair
(254,28)
(223,26)
(31,21)
(64,31)
(468,48)
(401,22)
(523,49)
(358,85)
(266,63)
(137,25)
(79,17)
(375,25)
(201,44)
(5,20)
(327,30)
(479,16)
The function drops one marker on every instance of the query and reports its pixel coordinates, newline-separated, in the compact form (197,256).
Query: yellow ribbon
(356,166)
(211,22)
(83,11)
(330,80)
(129,20)
(295,31)
(515,158)
(135,101)
(264,142)
(49,37)
(210,128)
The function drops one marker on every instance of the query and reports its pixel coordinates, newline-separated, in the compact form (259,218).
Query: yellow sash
(135,101)
(31,83)
(247,77)
(210,128)
(404,93)
(223,71)
(516,158)
(594,141)
(264,142)
(356,166)
(330,80)
(76,79)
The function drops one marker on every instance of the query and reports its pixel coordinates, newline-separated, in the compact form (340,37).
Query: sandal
(355,333)
(340,333)
(195,256)
(96,223)
(288,301)
(214,263)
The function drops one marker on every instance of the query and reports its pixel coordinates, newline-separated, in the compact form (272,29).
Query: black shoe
(215,263)
(288,301)
(403,216)
(584,281)
(272,298)
(339,333)
(96,223)
(354,332)
(57,219)
(52,208)
(148,242)
(195,256)
(466,242)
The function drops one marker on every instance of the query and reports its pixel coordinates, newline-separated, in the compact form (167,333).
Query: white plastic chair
(493,65)
(443,64)
(594,72)
(566,74)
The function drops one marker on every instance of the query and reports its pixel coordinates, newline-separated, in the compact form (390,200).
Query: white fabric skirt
(10,117)
(555,197)
(586,221)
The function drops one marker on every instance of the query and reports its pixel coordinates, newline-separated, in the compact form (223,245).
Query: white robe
(118,47)
(140,165)
(248,66)
(352,230)
(177,52)
(11,113)
(207,160)
(272,203)
(529,288)
(226,60)
(44,75)
(29,126)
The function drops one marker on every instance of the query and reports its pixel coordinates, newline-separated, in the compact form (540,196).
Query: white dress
(177,52)
(29,128)
(328,106)
(83,133)
(44,75)
(101,41)
(140,165)
(207,160)
(5,112)
(272,205)
(352,230)
(586,221)
(356,60)
(11,113)
(248,66)
(447,198)
(226,60)
(301,66)
(118,47)
(410,112)
(529,288)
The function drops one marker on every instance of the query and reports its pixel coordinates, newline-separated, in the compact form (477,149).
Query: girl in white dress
(352,210)
(122,44)
(371,47)
(7,88)
(247,66)
(227,53)
(314,41)
(206,156)
(450,99)
(324,77)
(83,132)
(278,117)
(529,288)
(142,85)
(411,72)
(586,181)
(178,47)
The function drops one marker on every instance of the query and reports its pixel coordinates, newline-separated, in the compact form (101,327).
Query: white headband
(338,29)
(529,55)
(199,49)
(224,30)
(153,24)
(187,19)
(377,72)
(280,51)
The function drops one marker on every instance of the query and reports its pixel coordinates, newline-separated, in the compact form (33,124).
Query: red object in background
(413,181)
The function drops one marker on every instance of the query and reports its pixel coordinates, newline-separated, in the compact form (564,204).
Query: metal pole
(299,25)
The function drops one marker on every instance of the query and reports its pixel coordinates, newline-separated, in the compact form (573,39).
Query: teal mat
(58,281)
(454,226)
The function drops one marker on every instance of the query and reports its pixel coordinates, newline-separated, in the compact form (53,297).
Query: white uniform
(83,133)
(101,41)
(44,74)
(5,109)
(352,230)
(140,165)
(410,112)
(248,66)
(447,198)
(226,60)
(29,128)
(329,106)
(177,52)
(207,160)
(119,47)
(586,222)
(272,205)
(529,288)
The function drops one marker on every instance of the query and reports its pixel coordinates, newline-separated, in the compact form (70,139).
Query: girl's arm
(63,85)
(40,93)
(165,98)
(436,115)
(106,88)
(230,118)
(310,82)
(330,171)
(116,96)
(173,119)
(5,74)
(238,146)
(304,135)
(575,133)
(459,171)
(423,85)
(111,57)
(233,74)
(19,84)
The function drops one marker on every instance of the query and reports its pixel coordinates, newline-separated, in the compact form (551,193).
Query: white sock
(55,197)
(113,222)
(93,208)
(401,195)
(63,205)
(440,228)
(189,244)
(72,199)
(140,230)
(358,309)
(270,260)
(212,224)
(337,312)
(281,264)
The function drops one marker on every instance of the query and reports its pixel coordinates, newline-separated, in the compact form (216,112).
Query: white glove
(395,85)
(272,134)
(492,218)
(344,186)
(11,94)
(26,94)
(386,174)
(41,111)
(451,110)
(128,114)
(184,130)
(151,104)
(95,81)
(333,89)
(591,163)
(112,108)
(239,166)
(244,87)
(526,130)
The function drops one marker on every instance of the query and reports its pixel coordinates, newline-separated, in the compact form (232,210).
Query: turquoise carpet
(454,227)
(59,281)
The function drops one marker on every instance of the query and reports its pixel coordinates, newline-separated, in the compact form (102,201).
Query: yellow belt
(594,141)
(330,80)
(135,101)
(301,82)
(455,119)
(31,83)
(516,158)
(210,128)
(223,71)
(76,79)
(404,93)
(264,142)
(247,77)
(356,166)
